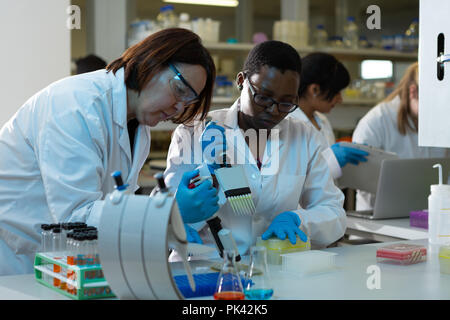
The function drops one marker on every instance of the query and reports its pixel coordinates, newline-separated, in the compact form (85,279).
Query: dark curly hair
(274,54)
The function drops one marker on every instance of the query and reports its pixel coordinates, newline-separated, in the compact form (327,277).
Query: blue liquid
(259,294)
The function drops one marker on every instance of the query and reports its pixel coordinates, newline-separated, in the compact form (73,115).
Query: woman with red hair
(59,150)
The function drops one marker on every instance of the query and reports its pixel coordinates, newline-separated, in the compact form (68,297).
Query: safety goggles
(182,90)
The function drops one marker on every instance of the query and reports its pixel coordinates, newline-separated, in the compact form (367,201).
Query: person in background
(90,63)
(322,80)
(290,181)
(392,125)
(60,148)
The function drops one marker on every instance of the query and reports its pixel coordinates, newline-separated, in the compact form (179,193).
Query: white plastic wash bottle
(439,211)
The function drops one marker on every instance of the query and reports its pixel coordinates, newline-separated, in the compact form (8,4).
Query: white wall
(107,23)
(34,49)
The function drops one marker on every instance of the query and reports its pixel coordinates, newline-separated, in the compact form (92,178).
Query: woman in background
(323,78)
(392,126)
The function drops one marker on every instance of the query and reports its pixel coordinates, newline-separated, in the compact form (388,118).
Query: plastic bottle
(167,17)
(351,36)
(439,211)
(320,37)
(184,21)
(399,42)
(139,30)
(412,36)
(387,42)
(363,42)
(336,42)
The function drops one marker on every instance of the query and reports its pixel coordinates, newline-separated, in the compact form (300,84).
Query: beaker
(229,286)
(258,284)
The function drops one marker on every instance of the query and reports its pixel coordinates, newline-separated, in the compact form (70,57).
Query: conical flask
(229,286)
(258,283)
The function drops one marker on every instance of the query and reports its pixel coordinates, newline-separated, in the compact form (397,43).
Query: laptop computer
(364,176)
(404,186)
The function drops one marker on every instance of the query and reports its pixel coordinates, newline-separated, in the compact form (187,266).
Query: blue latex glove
(213,143)
(192,235)
(345,154)
(199,203)
(286,223)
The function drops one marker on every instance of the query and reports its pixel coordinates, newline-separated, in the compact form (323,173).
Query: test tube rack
(79,282)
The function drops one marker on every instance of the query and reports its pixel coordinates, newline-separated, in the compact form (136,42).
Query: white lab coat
(327,134)
(57,155)
(378,128)
(301,184)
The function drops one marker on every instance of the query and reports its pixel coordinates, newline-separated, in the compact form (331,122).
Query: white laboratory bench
(348,280)
(384,230)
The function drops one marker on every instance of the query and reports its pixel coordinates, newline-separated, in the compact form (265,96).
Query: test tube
(56,245)
(74,246)
(65,228)
(69,249)
(56,239)
(89,249)
(80,249)
(96,255)
(46,238)
(46,246)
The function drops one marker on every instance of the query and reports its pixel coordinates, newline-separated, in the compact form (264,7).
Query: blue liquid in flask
(258,294)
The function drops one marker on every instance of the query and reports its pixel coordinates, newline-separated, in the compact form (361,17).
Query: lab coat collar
(141,150)
(119,94)
(119,110)
(231,117)
(300,115)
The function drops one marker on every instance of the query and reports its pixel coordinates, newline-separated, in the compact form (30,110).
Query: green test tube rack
(79,282)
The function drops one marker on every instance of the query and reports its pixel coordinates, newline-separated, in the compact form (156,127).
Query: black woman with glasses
(59,150)
(290,182)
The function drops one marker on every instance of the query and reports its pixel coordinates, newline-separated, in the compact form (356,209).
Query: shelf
(365,102)
(228,46)
(374,53)
(347,101)
(223,100)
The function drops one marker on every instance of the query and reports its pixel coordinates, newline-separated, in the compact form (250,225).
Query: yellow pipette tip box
(276,247)
(444,259)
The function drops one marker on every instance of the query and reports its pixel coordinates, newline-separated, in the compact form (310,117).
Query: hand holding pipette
(199,203)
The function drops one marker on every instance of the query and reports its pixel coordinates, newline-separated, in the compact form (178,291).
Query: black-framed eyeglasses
(181,88)
(267,102)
